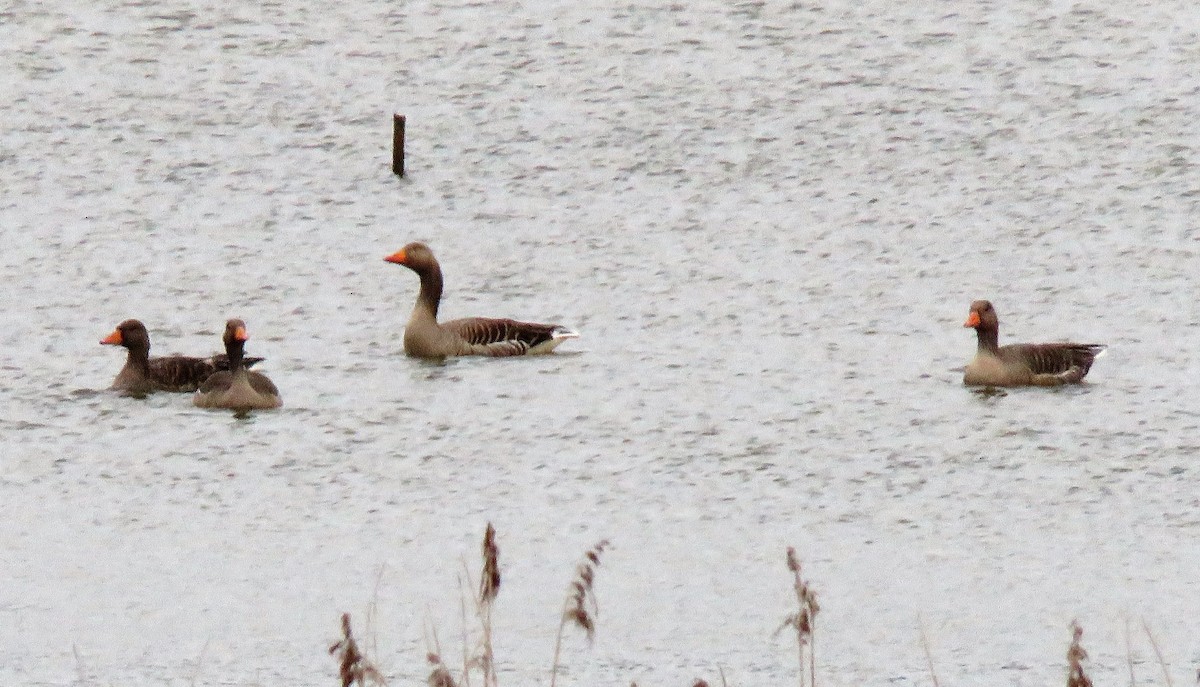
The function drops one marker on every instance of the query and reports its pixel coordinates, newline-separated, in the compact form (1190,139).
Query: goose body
(425,337)
(237,388)
(1049,364)
(143,374)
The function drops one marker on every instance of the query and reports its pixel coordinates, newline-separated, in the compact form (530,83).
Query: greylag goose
(1048,364)
(237,388)
(143,374)
(425,337)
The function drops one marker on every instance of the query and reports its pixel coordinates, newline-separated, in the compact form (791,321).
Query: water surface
(766,218)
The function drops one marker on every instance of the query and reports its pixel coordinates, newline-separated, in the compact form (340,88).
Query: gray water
(767,220)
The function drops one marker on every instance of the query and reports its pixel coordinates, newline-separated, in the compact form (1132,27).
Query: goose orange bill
(398,257)
(240,334)
(972,320)
(113,339)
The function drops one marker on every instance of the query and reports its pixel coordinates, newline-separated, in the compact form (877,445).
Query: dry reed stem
(78,665)
(928,653)
(199,663)
(439,674)
(372,611)
(489,589)
(803,620)
(1076,677)
(580,597)
(479,655)
(1129,653)
(466,647)
(352,665)
(1158,653)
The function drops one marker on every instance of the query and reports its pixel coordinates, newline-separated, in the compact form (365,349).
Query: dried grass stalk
(928,653)
(701,682)
(475,655)
(1158,654)
(1076,677)
(1129,654)
(580,606)
(468,659)
(352,665)
(803,619)
(439,674)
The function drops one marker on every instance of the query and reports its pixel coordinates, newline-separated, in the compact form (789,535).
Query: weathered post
(398,144)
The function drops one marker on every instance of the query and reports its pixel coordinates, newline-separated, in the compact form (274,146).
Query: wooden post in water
(398,144)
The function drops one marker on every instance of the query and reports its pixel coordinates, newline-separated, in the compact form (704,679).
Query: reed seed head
(582,596)
(439,674)
(1076,677)
(352,665)
(489,579)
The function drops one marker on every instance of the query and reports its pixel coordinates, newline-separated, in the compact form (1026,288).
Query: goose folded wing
(501,337)
(179,372)
(1061,362)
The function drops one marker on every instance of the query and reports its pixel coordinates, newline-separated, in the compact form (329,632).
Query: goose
(425,337)
(143,374)
(1049,364)
(237,388)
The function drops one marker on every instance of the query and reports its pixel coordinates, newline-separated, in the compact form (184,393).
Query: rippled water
(766,218)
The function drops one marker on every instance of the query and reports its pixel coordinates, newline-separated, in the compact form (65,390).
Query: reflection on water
(764,218)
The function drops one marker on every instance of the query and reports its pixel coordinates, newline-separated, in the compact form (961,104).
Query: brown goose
(425,337)
(1022,364)
(237,388)
(143,374)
